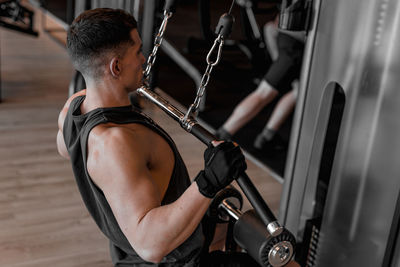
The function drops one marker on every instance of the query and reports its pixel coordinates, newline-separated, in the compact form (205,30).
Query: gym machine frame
(259,232)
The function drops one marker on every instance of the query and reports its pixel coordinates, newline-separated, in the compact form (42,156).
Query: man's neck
(103,95)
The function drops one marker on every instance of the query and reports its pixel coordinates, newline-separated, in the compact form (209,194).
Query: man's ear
(115,67)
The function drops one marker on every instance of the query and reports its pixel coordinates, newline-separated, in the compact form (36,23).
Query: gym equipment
(248,231)
(341,190)
(217,214)
(252,45)
(150,18)
(230,194)
(274,245)
(16,17)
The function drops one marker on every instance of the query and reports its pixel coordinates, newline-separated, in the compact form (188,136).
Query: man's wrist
(205,188)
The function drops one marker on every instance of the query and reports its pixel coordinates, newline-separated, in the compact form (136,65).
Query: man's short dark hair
(94,34)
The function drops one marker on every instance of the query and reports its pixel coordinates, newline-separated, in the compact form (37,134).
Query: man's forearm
(164,228)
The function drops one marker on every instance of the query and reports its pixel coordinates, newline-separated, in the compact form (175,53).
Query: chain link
(193,109)
(157,43)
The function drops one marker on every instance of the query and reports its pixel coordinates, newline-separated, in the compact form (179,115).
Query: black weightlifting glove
(222,164)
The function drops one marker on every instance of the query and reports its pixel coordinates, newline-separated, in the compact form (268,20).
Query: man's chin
(134,88)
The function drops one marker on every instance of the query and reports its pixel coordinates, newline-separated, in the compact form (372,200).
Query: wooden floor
(42,219)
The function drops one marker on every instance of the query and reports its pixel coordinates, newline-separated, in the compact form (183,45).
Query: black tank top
(76,130)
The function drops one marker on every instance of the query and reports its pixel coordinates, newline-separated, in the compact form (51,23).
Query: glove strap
(205,188)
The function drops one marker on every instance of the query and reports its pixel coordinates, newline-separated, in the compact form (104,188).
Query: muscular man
(129,172)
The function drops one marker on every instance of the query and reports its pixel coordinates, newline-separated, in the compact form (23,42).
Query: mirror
(238,81)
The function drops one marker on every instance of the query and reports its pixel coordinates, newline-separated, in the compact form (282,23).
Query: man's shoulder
(111,135)
(112,148)
(115,130)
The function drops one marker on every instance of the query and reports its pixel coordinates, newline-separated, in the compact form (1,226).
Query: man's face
(132,63)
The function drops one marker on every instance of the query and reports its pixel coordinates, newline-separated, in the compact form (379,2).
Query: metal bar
(253,22)
(231,209)
(168,108)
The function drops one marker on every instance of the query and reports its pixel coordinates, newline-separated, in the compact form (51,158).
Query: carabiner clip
(219,40)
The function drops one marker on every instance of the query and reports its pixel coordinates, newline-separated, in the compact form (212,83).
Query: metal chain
(218,43)
(157,43)
(217,46)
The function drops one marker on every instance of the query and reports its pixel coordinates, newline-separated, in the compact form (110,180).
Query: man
(128,170)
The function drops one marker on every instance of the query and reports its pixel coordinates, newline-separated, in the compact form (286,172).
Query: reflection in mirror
(252,92)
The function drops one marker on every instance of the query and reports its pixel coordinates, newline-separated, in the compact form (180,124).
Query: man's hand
(222,164)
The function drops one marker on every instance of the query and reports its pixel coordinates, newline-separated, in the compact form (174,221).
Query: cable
(230,9)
